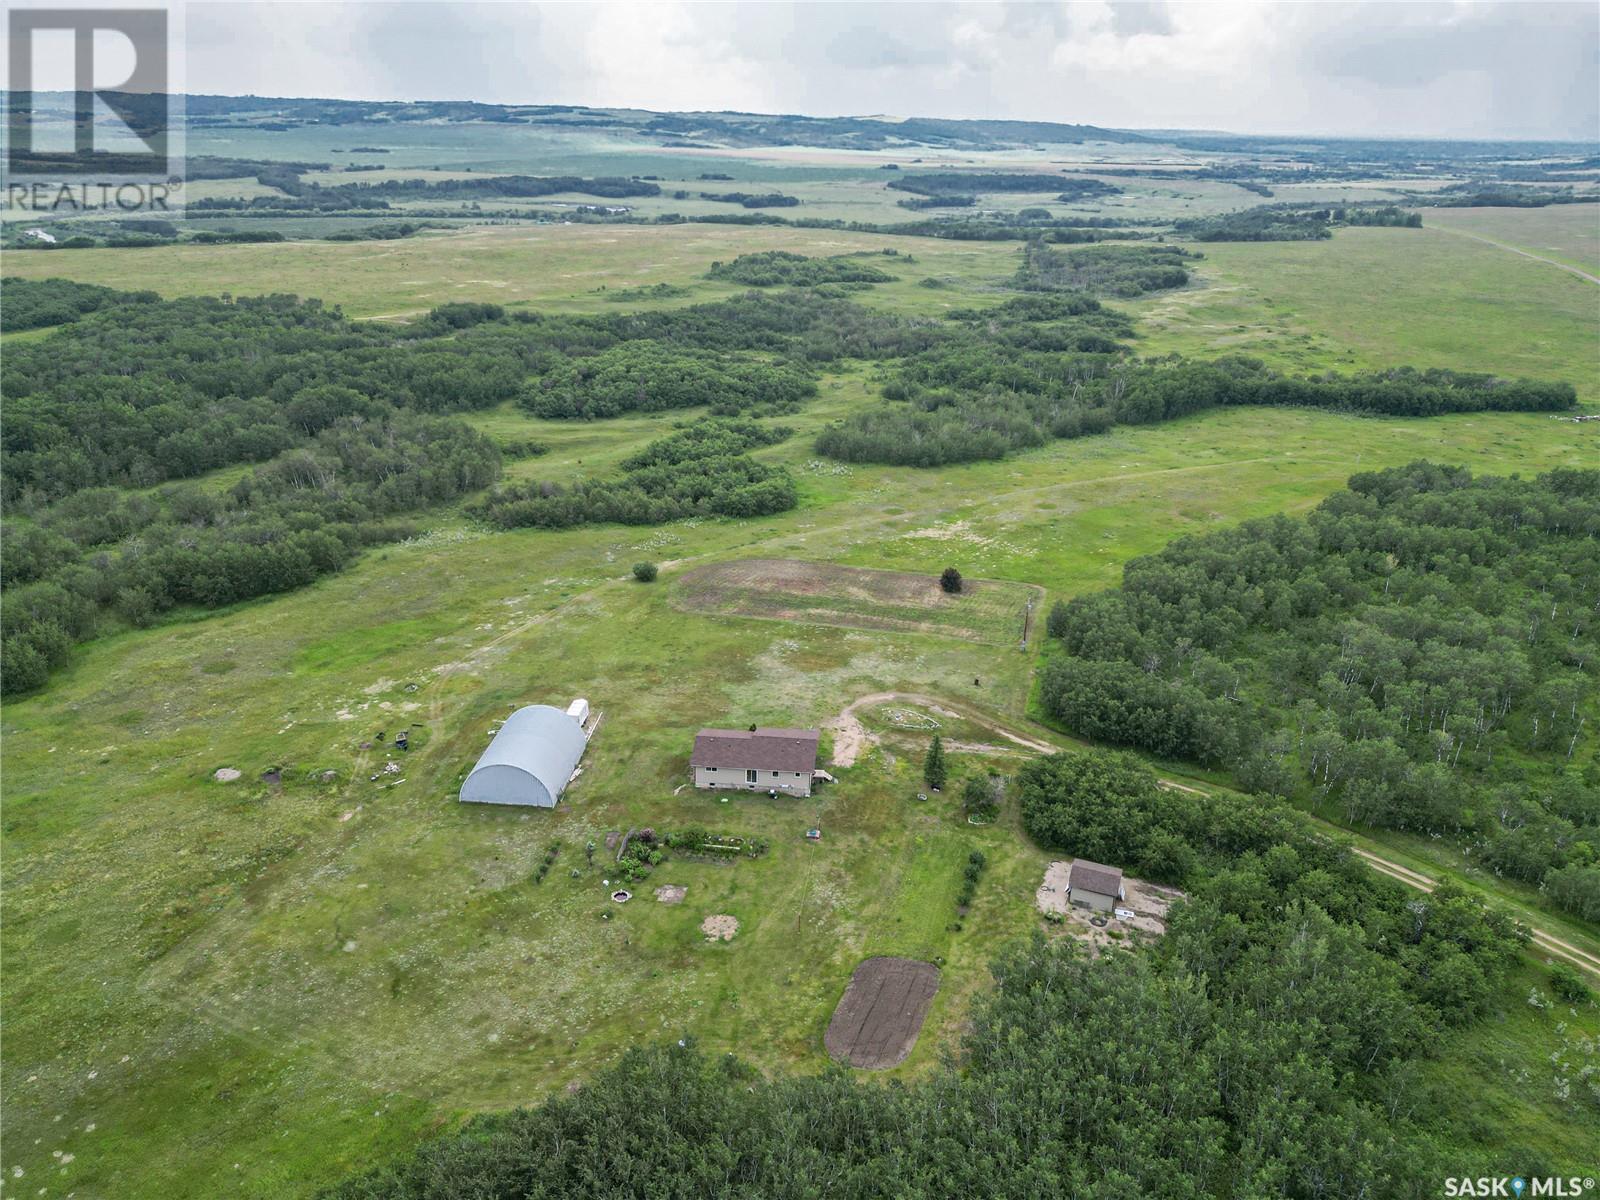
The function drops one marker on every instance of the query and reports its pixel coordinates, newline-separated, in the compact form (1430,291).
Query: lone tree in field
(950,580)
(933,765)
(645,572)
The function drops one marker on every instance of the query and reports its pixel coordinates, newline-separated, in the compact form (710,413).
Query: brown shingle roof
(1095,877)
(763,749)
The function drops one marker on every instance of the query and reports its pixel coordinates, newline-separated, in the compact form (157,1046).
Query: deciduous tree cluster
(1417,654)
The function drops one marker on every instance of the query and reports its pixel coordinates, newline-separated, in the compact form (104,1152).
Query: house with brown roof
(756,760)
(1094,885)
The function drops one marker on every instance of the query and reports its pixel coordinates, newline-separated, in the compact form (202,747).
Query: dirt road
(1549,262)
(850,737)
(1547,942)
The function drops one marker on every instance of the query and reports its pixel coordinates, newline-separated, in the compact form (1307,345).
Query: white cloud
(1373,69)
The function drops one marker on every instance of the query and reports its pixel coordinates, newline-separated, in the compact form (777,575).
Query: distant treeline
(941,200)
(1290,223)
(752,200)
(702,470)
(303,195)
(1477,195)
(382,231)
(939,183)
(1418,654)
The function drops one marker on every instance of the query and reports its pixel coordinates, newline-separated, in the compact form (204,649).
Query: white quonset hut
(530,760)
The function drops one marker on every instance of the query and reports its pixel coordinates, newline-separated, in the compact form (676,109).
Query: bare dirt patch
(719,927)
(671,893)
(881,1012)
(788,589)
(851,738)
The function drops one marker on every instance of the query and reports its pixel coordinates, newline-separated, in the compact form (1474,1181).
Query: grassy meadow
(250,988)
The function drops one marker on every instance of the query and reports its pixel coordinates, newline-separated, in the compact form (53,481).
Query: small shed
(530,760)
(1094,885)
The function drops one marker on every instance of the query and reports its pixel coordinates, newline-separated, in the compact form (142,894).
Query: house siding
(794,783)
(1098,901)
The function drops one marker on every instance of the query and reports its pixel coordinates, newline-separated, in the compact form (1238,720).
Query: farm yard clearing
(881,1012)
(788,589)
(1142,912)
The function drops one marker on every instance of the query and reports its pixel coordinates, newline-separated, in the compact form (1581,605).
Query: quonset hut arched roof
(529,761)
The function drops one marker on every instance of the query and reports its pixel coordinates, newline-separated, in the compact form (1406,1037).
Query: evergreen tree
(933,769)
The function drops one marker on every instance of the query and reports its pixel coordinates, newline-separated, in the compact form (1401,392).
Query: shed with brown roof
(756,760)
(1094,885)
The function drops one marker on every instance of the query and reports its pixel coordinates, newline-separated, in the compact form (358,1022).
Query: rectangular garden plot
(788,589)
(881,1012)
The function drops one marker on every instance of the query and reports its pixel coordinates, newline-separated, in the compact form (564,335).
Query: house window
(750,775)
(713,770)
(775,774)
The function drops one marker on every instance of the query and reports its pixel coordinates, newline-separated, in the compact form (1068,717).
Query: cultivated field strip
(785,589)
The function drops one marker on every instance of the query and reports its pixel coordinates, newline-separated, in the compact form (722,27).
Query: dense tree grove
(1264,1047)
(38,304)
(1417,654)
(702,470)
(142,392)
(1124,271)
(652,376)
(1290,222)
(304,514)
(779,268)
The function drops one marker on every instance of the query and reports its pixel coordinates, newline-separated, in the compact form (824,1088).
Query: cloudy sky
(1381,69)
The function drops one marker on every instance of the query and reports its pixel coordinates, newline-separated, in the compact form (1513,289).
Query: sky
(1488,70)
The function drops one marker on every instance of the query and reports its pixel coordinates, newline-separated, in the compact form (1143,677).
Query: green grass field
(1567,233)
(1378,297)
(249,988)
